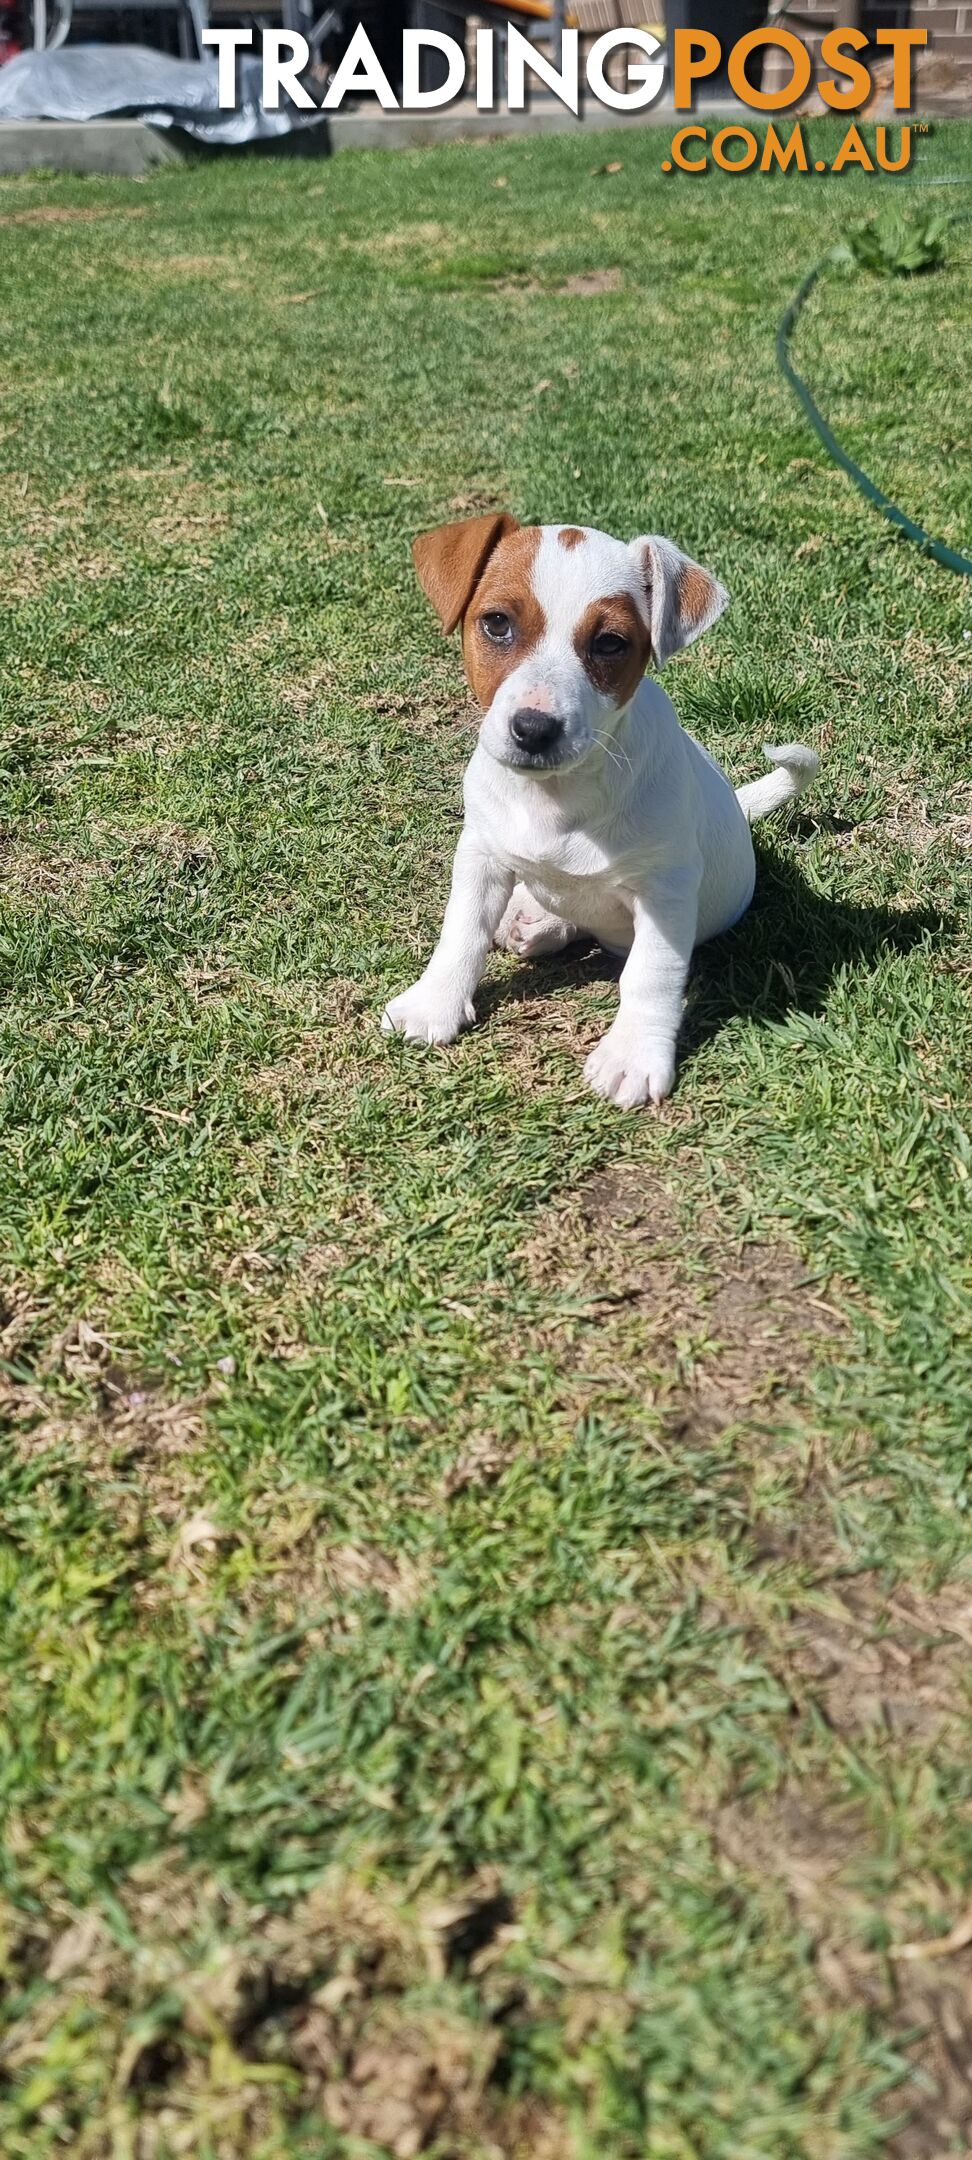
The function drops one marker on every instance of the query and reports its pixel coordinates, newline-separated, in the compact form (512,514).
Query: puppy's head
(559,624)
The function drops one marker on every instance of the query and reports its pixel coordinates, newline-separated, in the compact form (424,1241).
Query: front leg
(440,1003)
(635,1061)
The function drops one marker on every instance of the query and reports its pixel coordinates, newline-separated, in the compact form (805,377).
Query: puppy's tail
(794,768)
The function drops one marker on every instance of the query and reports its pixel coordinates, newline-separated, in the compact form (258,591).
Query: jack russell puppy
(589,811)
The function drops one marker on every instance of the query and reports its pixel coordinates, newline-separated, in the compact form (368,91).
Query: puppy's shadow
(781,958)
(792,942)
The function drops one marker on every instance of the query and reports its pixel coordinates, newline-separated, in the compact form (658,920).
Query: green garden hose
(949,558)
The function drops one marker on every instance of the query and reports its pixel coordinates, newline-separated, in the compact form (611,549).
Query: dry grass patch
(158,267)
(716,1332)
(33,873)
(333,1055)
(232,2022)
(129,1437)
(818,1848)
(450,712)
(303,690)
(33,574)
(707,1327)
(589,284)
(171,842)
(69,214)
(868,1658)
(177,527)
(399,239)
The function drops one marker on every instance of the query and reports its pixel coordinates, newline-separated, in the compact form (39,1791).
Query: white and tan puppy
(589,810)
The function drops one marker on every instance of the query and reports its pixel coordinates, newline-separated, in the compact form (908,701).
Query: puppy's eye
(607,645)
(497,627)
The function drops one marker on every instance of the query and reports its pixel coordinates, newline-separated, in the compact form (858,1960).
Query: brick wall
(949,27)
(948,22)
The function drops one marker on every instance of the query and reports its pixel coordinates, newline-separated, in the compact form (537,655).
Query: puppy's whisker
(613,751)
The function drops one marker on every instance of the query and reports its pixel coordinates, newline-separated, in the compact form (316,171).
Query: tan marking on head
(615,676)
(570,536)
(506,586)
(694,595)
(449,561)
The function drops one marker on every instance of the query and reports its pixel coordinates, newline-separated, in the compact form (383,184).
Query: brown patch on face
(570,536)
(615,675)
(506,587)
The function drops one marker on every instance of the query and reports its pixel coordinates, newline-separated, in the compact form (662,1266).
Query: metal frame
(192,16)
(52,24)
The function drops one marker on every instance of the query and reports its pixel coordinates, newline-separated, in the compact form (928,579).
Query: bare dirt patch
(407,2084)
(720,1332)
(722,1324)
(327,2006)
(812,1845)
(130,1435)
(587,284)
(819,1851)
(872,1657)
(935,2005)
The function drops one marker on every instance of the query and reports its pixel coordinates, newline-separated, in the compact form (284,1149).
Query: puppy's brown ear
(450,562)
(683,599)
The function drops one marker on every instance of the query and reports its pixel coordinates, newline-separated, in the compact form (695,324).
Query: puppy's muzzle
(535,733)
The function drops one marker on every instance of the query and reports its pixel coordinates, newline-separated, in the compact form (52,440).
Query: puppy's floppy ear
(450,561)
(683,599)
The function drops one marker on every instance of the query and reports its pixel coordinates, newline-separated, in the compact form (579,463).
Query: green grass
(465,1690)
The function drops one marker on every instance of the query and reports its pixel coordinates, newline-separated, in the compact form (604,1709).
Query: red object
(9,43)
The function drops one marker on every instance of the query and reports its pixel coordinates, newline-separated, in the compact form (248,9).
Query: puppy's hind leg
(530,930)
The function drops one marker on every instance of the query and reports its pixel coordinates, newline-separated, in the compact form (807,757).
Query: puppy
(589,810)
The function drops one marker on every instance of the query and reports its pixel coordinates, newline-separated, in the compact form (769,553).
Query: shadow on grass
(788,949)
(781,958)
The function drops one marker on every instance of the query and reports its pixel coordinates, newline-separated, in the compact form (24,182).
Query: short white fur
(634,836)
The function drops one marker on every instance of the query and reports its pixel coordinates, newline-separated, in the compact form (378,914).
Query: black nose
(534,730)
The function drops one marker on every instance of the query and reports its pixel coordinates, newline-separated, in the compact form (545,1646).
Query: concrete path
(89,146)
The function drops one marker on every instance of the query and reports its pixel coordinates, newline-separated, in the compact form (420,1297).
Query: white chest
(575,874)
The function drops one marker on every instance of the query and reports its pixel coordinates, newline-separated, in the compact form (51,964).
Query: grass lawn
(487,1604)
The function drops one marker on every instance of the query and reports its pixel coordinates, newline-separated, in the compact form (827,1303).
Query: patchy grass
(486,1582)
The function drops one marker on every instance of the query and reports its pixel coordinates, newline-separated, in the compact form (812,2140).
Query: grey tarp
(91,82)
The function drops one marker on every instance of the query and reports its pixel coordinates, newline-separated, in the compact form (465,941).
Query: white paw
(627,1070)
(427,1014)
(530,930)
